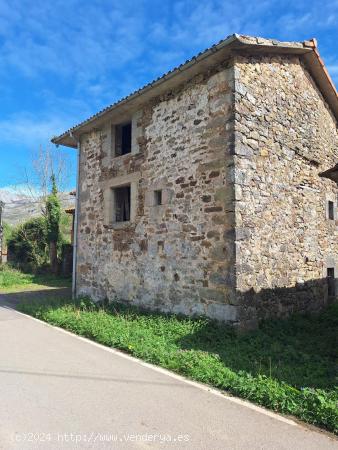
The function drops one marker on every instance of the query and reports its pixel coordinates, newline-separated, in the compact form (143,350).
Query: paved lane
(58,391)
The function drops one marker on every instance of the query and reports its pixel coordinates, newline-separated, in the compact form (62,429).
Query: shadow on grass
(301,351)
(51,280)
(36,297)
(15,280)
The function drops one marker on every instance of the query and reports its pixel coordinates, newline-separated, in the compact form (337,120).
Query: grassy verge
(12,280)
(288,366)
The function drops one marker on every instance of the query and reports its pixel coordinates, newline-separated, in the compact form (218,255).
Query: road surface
(60,391)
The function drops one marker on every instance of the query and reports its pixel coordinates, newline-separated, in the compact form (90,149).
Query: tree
(45,180)
(36,179)
(53,217)
(48,164)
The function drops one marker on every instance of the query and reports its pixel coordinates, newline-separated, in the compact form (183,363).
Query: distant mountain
(21,207)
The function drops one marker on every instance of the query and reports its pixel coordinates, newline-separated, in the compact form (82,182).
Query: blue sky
(62,61)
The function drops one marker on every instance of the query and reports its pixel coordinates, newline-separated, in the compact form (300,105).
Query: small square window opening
(330,210)
(158,197)
(331,288)
(122,204)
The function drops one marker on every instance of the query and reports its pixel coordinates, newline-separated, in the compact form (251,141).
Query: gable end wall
(285,135)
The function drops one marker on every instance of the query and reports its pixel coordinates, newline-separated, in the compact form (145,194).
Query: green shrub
(7,232)
(65,229)
(27,244)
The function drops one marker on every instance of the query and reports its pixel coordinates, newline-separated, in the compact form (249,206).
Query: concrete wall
(285,136)
(179,256)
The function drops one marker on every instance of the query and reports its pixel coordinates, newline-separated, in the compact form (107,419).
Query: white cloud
(86,55)
(29,131)
(68,39)
(333,69)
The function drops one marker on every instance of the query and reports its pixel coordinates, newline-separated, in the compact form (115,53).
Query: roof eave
(307,50)
(321,76)
(331,174)
(67,137)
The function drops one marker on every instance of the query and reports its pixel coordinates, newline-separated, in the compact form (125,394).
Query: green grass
(288,366)
(15,280)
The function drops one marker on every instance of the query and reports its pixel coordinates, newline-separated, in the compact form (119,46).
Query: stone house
(201,192)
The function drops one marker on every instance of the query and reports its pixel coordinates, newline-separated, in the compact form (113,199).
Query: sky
(62,61)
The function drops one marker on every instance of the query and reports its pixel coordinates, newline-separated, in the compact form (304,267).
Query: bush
(27,246)
(7,232)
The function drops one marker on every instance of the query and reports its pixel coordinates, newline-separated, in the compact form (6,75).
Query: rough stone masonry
(228,216)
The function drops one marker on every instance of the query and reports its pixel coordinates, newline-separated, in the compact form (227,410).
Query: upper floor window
(122,139)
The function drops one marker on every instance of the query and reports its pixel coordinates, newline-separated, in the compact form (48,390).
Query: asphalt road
(60,391)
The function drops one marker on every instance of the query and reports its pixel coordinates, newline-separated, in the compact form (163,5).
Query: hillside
(20,207)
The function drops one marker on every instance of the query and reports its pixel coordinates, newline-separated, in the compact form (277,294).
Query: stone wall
(243,232)
(285,135)
(179,256)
